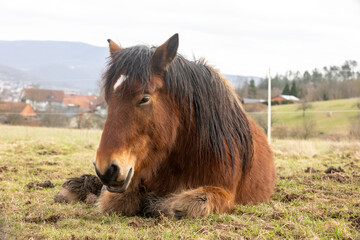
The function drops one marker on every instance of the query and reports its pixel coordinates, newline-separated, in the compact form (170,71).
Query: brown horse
(177,140)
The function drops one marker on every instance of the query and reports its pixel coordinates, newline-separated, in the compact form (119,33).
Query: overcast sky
(238,37)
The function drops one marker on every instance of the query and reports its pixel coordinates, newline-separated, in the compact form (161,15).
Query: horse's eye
(145,100)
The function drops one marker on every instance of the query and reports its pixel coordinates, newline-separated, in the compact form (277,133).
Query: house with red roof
(80,103)
(43,100)
(23,109)
(18,110)
(285,98)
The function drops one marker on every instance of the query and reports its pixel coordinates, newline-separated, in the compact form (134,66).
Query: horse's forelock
(132,62)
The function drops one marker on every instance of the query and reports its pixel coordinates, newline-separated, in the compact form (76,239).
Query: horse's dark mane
(210,104)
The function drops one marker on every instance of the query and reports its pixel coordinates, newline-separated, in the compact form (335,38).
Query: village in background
(52,108)
(27,104)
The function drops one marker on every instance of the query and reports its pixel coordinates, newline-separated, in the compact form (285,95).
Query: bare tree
(308,128)
(304,105)
(54,120)
(15,119)
(261,119)
(357,104)
(355,126)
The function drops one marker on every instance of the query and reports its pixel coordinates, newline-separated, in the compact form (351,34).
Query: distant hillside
(237,81)
(58,64)
(13,74)
(329,116)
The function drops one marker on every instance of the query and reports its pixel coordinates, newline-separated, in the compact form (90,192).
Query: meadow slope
(308,203)
(330,117)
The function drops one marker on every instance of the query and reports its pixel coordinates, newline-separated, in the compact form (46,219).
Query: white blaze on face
(118,82)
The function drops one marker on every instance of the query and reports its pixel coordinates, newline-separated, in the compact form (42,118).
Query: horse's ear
(165,54)
(113,47)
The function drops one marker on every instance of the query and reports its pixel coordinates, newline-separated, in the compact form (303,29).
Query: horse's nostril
(110,175)
(114,173)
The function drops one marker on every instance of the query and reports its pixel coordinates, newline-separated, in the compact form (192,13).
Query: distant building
(252,100)
(20,108)
(80,103)
(100,102)
(101,106)
(6,97)
(43,99)
(16,113)
(288,98)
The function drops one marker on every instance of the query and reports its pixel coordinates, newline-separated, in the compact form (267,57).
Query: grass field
(330,117)
(305,205)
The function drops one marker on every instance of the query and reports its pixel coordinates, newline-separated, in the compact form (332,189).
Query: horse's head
(142,121)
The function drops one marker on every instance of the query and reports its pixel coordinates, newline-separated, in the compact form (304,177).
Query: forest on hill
(329,82)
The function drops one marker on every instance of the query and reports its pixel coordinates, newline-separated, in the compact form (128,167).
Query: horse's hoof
(65,196)
(61,198)
(91,199)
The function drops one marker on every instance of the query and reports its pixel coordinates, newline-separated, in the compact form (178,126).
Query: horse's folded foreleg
(197,202)
(85,188)
(128,203)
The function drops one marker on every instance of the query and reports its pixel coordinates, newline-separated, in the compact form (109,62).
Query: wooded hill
(329,82)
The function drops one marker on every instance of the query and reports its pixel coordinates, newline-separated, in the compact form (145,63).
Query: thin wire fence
(332,124)
(308,111)
(50,113)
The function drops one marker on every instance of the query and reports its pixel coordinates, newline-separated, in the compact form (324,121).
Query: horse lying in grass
(176,140)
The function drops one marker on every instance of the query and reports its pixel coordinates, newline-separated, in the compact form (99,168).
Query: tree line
(330,82)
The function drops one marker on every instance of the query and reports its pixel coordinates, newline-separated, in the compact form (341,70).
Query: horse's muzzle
(110,178)
(121,186)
